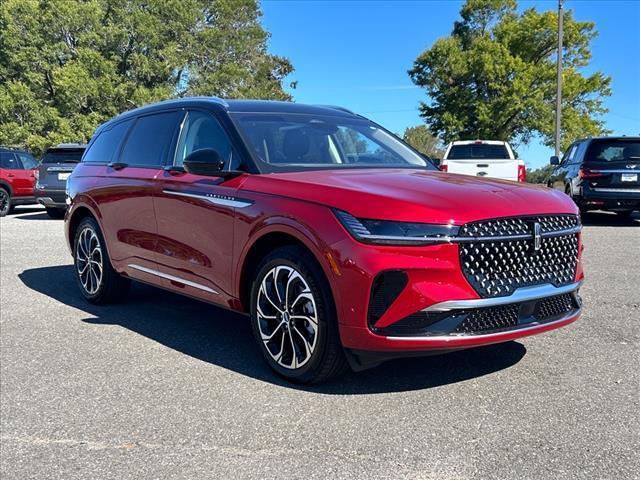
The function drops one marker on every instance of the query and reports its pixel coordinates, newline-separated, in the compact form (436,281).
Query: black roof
(262,106)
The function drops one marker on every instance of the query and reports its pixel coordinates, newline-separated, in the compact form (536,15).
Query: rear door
(614,164)
(483,160)
(21,180)
(124,192)
(196,214)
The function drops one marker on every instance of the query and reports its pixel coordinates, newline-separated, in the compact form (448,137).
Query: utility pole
(559,85)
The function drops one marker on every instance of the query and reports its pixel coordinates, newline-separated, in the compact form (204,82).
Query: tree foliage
(495,76)
(68,65)
(420,138)
(540,175)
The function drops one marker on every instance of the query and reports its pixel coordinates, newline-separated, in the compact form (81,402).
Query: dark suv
(601,174)
(17,176)
(56,166)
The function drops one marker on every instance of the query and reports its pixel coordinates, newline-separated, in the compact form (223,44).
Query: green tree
(68,65)
(495,77)
(420,138)
(539,175)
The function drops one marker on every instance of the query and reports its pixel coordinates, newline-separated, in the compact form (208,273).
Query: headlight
(386,232)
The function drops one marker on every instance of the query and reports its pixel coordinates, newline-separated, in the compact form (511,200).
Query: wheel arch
(6,186)
(270,238)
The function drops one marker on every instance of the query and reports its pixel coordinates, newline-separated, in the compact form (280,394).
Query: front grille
(492,319)
(498,267)
(553,307)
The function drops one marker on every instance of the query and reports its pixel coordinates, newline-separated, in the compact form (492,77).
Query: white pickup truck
(483,158)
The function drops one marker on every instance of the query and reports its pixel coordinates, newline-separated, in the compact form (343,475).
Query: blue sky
(357,53)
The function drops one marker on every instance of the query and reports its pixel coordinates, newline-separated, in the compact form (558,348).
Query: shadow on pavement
(223,338)
(35,216)
(609,219)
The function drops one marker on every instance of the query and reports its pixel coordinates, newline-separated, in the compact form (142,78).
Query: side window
(28,162)
(9,161)
(579,153)
(150,140)
(201,130)
(569,154)
(107,144)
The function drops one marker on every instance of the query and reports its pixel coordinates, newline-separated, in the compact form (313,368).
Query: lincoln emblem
(537,237)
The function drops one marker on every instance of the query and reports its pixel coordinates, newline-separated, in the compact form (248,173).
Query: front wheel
(293,318)
(98,281)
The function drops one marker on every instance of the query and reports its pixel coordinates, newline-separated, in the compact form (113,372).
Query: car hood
(413,195)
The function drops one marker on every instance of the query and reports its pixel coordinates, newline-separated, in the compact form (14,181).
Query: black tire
(5,202)
(111,287)
(327,359)
(55,212)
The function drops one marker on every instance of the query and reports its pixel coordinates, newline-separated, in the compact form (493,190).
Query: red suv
(17,178)
(343,244)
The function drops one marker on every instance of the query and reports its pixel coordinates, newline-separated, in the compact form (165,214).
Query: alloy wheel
(287,317)
(4,201)
(89,262)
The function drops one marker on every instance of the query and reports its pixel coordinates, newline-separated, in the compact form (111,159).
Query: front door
(195,215)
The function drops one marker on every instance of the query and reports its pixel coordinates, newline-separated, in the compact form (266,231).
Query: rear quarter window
(150,139)
(105,146)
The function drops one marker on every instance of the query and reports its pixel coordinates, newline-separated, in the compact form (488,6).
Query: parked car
(17,178)
(600,174)
(483,158)
(57,164)
(342,243)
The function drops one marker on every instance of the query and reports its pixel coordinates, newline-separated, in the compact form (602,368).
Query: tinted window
(9,161)
(613,150)
(150,140)
(477,151)
(67,155)
(103,149)
(202,131)
(28,162)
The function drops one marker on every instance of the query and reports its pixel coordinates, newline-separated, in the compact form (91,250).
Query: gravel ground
(166,387)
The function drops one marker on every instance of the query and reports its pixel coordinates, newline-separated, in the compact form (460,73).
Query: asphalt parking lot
(166,387)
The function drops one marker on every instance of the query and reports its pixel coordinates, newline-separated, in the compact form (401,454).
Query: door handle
(174,170)
(10,175)
(117,165)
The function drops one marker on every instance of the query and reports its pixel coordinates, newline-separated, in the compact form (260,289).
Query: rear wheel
(293,318)
(98,281)
(55,212)
(5,202)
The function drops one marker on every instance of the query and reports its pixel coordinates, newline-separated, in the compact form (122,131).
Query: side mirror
(554,160)
(205,161)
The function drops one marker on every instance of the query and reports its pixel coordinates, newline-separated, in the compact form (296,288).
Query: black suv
(601,174)
(55,167)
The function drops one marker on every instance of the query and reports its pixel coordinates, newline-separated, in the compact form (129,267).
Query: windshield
(292,142)
(477,151)
(63,156)
(613,150)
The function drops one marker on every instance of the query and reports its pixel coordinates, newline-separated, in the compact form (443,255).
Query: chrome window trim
(172,278)
(523,294)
